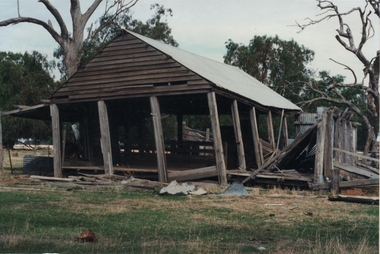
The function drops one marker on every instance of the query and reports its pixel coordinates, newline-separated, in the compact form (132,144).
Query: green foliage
(24,80)
(280,64)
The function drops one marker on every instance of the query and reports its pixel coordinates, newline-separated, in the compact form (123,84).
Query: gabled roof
(134,65)
(223,75)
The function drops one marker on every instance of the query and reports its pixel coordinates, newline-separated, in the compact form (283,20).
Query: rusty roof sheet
(223,75)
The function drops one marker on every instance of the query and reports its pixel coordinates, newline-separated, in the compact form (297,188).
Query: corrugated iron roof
(223,75)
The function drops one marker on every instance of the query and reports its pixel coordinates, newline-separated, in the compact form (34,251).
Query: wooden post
(63,144)
(270,130)
(238,136)
(280,131)
(335,182)
(342,140)
(218,146)
(105,138)
(255,135)
(1,149)
(285,132)
(349,146)
(159,140)
(329,145)
(319,153)
(54,112)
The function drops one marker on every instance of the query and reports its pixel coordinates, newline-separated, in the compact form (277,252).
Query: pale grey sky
(203,27)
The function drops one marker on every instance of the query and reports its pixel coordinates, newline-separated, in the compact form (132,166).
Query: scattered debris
(309,213)
(235,189)
(175,188)
(87,236)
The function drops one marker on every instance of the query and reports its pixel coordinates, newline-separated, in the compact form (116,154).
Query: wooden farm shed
(125,101)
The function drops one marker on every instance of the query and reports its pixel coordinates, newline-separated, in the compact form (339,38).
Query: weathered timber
(255,136)
(218,145)
(355,170)
(376,170)
(159,140)
(280,130)
(329,145)
(356,199)
(52,178)
(270,129)
(105,138)
(335,179)
(193,174)
(285,132)
(346,184)
(56,131)
(357,155)
(319,153)
(238,136)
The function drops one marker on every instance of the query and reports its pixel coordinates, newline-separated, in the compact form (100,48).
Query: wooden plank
(52,178)
(270,129)
(136,74)
(346,184)
(319,153)
(129,67)
(151,75)
(255,136)
(356,199)
(357,155)
(159,140)
(238,135)
(218,145)
(105,138)
(56,132)
(193,174)
(356,170)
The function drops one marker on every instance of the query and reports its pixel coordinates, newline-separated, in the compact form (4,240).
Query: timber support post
(218,146)
(238,136)
(54,112)
(159,140)
(105,138)
(255,136)
(270,130)
(320,149)
(335,182)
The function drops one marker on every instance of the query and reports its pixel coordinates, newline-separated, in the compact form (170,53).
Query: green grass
(49,220)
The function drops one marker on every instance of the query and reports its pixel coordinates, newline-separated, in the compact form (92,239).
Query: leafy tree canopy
(24,80)
(280,64)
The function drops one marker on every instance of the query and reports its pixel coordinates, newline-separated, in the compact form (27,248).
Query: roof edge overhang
(38,112)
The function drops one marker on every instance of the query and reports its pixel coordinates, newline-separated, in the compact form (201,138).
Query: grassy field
(36,218)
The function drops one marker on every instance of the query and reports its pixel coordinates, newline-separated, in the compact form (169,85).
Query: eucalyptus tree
(366,15)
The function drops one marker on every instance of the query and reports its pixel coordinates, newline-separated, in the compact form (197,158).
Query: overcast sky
(203,27)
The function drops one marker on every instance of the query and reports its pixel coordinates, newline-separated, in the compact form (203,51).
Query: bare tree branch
(57,16)
(12,21)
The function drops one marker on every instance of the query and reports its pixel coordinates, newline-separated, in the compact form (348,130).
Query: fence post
(334,188)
